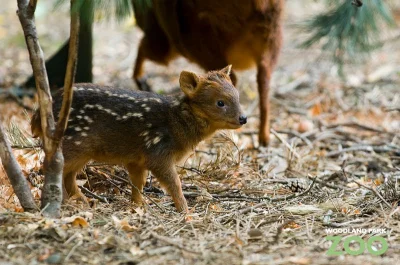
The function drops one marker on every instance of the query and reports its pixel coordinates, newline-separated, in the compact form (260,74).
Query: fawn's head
(213,97)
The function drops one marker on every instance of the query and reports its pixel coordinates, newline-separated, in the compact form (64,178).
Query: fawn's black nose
(242,119)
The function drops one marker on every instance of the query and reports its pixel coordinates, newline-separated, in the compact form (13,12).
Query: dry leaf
(378,182)
(300,260)
(316,110)
(46,253)
(123,224)
(291,225)
(188,218)
(139,211)
(239,241)
(136,251)
(215,208)
(76,221)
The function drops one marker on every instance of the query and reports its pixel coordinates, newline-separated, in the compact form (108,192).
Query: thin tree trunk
(14,173)
(52,136)
(52,190)
(56,65)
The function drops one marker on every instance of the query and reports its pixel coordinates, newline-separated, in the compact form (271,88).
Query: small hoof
(143,85)
(263,140)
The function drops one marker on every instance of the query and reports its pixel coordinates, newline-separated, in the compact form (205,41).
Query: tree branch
(14,173)
(70,74)
(26,11)
(52,135)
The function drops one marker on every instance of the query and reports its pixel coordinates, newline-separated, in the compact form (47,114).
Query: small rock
(54,258)
(255,233)
(305,126)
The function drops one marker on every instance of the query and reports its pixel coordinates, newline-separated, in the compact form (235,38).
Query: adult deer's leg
(263,82)
(155,48)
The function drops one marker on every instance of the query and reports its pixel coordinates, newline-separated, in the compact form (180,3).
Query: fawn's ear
(188,82)
(227,70)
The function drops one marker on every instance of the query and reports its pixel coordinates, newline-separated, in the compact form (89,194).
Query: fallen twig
(170,241)
(285,143)
(368,148)
(284,198)
(91,194)
(374,191)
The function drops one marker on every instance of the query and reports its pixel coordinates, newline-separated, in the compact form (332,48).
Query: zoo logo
(346,245)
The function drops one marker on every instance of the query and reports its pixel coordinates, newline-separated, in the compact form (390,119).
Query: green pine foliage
(348,31)
(106,9)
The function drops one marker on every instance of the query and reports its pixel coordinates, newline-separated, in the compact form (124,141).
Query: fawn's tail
(36,125)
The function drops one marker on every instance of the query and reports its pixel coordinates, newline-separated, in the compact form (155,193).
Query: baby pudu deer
(213,33)
(145,131)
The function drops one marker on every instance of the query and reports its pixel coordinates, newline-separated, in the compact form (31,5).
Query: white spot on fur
(88,119)
(144,105)
(86,128)
(81,111)
(68,137)
(100,107)
(147,109)
(144,133)
(78,129)
(156,140)
(148,125)
(77,142)
(84,134)
(79,117)
(88,106)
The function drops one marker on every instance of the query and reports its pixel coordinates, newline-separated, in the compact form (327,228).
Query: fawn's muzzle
(242,119)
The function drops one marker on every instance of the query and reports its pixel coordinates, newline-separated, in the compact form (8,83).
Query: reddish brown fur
(145,131)
(214,33)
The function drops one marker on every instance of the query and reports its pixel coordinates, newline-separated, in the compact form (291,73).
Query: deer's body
(142,130)
(213,34)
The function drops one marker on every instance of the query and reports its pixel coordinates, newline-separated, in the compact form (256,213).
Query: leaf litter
(334,162)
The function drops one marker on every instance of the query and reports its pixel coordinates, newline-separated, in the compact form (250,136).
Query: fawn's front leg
(169,179)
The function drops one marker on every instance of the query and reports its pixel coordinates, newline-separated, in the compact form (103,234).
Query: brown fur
(144,131)
(214,33)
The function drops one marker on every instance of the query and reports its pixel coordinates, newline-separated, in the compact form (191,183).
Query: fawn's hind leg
(71,189)
(137,175)
(169,179)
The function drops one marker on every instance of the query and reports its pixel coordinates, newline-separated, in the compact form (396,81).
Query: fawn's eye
(220,103)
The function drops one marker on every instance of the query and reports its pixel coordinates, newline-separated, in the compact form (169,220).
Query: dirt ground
(334,162)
